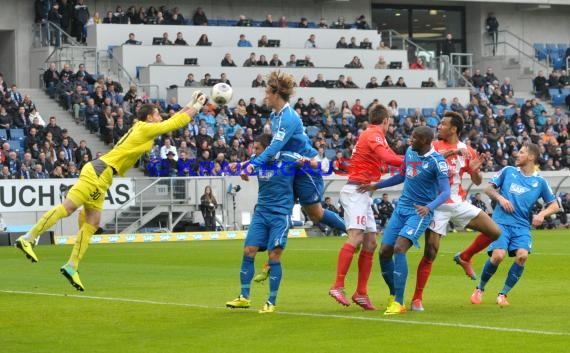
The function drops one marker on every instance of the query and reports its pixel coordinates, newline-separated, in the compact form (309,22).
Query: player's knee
(250,251)
(370,245)
(386,252)
(315,212)
(497,257)
(521,258)
(430,252)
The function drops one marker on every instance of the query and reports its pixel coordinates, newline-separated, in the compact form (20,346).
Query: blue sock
(275,274)
(387,268)
(488,271)
(515,273)
(333,220)
(400,276)
(246,275)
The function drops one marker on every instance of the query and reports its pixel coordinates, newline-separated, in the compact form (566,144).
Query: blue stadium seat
(426,111)
(16,145)
(558,100)
(312,131)
(411,111)
(17,134)
(558,63)
(3,134)
(520,101)
(562,47)
(539,51)
(553,91)
(565,91)
(402,112)
(330,153)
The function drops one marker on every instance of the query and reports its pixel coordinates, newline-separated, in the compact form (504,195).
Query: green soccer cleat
(262,275)
(27,248)
(72,276)
(267,308)
(240,302)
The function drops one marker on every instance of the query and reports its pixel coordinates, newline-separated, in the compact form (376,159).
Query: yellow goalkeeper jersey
(139,140)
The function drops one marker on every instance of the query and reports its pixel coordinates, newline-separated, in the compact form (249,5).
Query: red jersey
(371,156)
(457,166)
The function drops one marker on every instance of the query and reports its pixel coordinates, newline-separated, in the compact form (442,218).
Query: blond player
(96,176)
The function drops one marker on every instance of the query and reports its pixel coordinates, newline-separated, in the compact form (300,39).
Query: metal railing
(47,34)
(399,41)
(447,69)
(518,47)
(175,196)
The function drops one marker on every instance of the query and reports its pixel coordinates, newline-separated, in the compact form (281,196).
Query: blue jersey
(288,134)
(522,191)
(275,185)
(423,176)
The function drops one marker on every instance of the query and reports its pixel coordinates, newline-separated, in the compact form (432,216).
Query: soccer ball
(221,93)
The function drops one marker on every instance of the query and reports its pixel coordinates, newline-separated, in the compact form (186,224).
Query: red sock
(364,269)
(479,243)
(424,270)
(344,260)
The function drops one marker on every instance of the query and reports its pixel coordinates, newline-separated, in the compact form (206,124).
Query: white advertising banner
(41,194)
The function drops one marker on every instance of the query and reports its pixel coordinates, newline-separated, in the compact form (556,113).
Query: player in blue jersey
(288,135)
(516,189)
(425,175)
(269,227)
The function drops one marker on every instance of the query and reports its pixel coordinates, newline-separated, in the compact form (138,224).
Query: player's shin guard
(387,269)
(400,276)
(49,218)
(333,220)
(515,273)
(246,275)
(480,243)
(81,244)
(364,269)
(344,260)
(488,271)
(275,275)
(424,270)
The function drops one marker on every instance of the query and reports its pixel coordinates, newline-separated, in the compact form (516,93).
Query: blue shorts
(512,239)
(309,187)
(268,230)
(406,222)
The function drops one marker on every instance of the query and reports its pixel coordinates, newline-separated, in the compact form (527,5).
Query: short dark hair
(145,111)
(377,114)
(425,133)
(264,140)
(455,119)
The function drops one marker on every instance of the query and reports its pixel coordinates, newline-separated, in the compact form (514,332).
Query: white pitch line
(343,317)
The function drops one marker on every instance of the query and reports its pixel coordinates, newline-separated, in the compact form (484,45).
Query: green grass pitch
(169,297)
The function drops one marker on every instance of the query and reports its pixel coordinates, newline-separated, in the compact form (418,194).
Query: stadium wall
(247,198)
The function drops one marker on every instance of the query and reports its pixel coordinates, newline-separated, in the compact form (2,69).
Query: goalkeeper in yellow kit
(97,176)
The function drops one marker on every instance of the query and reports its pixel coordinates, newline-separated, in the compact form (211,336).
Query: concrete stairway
(508,66)
(49,107)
